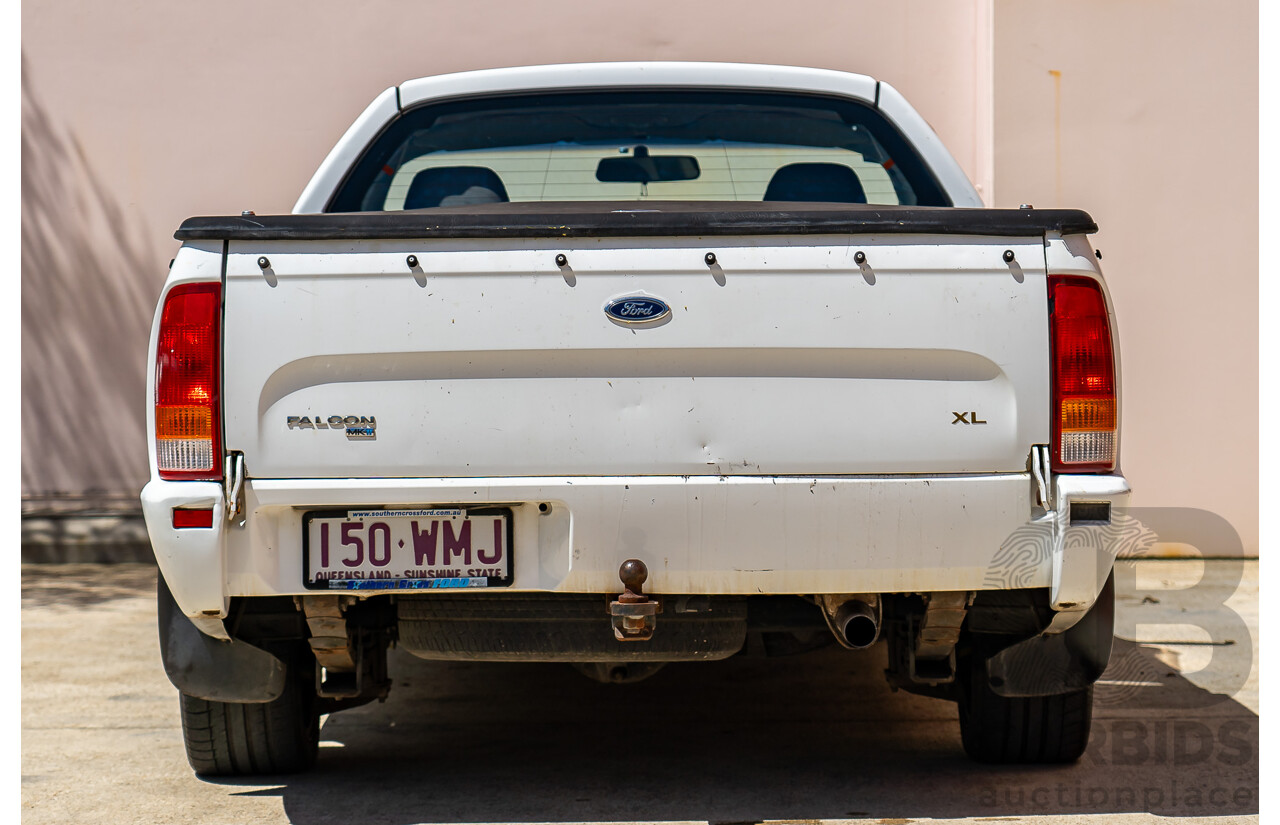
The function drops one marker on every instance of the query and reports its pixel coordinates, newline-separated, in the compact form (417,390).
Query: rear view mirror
(642,167)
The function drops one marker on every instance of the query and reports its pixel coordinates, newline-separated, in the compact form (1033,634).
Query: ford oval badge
(637,310)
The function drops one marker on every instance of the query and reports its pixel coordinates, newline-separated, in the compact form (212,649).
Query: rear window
(637,146)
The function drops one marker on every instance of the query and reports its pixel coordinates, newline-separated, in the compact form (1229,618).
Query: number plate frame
(411,584)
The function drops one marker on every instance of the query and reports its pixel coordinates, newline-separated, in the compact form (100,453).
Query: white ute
(625,364)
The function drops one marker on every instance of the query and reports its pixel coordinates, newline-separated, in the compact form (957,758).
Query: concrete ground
(813,738)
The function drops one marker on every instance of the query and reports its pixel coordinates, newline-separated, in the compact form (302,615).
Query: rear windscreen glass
(636,146)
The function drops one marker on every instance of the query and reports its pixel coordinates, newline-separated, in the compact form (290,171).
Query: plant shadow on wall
(88,287)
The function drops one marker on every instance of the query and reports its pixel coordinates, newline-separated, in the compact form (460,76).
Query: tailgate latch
(634,614)
(1042,472)
(234,480)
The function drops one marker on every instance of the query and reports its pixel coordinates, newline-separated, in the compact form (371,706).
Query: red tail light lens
(1084,382)
(188,442)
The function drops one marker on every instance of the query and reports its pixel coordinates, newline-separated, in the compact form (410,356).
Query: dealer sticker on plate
(407,549)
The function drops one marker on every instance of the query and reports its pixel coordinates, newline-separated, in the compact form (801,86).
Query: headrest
(455,186)
(817,182)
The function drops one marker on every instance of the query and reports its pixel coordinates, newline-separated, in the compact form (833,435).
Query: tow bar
(634,614)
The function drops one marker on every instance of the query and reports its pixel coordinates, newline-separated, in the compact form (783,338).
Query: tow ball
(634,614)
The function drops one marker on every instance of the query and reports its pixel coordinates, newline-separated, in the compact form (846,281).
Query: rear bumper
(697,534)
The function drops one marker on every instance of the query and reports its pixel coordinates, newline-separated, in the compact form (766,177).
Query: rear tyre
(1022,730)
(244,739)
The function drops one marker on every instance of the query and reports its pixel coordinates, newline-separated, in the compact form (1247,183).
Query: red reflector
(1084,386)
(186,517)
(188,429)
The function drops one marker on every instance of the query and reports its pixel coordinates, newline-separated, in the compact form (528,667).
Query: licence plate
(386,549)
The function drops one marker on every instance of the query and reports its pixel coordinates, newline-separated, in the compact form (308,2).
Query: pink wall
(137,116)
(1152,125)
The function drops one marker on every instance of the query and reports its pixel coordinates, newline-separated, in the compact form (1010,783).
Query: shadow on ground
(85,585)
(814,737)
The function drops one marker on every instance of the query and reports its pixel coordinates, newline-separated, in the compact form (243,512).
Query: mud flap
(1051,665)
(210,669)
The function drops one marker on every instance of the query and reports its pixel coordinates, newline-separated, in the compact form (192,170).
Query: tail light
(188,442)
(1084,381)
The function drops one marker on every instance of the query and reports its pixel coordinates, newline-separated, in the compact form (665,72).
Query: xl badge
(638,311)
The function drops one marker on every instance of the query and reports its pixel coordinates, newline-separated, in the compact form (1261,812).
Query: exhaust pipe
(857,624)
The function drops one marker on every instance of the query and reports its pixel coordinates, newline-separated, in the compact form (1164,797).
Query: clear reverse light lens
(1089,447)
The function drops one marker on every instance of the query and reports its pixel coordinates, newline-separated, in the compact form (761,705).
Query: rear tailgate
(785,356)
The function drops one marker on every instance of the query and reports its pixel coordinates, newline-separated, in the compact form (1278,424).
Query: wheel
(1031,729)
(242,739)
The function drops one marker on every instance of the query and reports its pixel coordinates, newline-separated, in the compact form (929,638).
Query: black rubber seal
(632,219)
